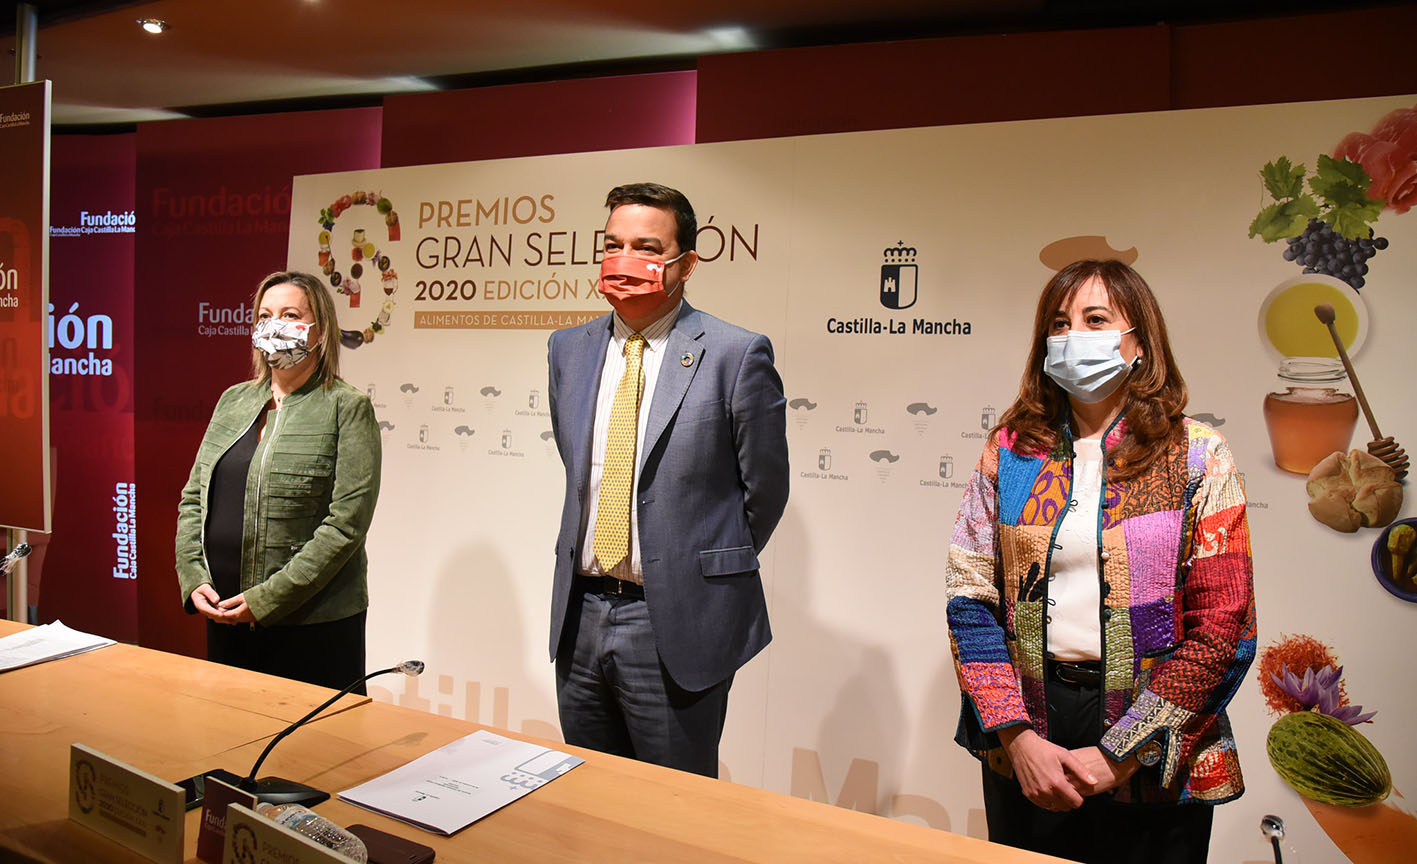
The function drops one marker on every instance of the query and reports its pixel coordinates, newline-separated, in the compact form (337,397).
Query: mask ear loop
(1136,361)
(682,282)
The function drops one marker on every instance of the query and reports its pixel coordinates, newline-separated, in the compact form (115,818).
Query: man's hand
(1052,777)
(1109,774)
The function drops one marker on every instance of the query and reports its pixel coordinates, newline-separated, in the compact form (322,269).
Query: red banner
(24,398)
(90,563)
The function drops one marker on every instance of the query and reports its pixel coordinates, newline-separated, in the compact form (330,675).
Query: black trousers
(1101,831)
(330,654)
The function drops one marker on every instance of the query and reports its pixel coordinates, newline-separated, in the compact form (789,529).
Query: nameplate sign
(128,806)
(211,836)
(253,839)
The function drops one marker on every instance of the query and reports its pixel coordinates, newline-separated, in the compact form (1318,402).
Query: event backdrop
(896,274)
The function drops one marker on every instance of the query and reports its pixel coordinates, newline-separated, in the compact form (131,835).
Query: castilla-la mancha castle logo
(898,290)
(899,276)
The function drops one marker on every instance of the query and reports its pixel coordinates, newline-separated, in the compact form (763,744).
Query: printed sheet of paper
(46,642)
(459,783)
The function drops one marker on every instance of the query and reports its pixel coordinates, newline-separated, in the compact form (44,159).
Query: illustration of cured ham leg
(1376,834)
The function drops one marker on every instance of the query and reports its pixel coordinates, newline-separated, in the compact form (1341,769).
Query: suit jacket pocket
(728,562)
(697,412)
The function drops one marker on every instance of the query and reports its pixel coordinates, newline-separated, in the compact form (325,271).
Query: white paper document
(46,642)
(459,783)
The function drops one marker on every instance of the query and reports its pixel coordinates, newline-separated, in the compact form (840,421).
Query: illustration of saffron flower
(1321,691)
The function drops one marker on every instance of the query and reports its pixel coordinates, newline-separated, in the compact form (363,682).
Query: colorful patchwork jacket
(1177,607)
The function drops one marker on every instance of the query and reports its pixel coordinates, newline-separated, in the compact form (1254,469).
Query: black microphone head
(411,668)
(20,551)
(1272,827)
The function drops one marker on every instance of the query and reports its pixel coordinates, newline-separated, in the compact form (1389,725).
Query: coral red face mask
(633,285)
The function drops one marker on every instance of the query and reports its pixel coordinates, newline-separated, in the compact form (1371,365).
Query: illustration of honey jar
(1310,414)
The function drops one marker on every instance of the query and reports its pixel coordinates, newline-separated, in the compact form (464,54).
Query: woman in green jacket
(272,521)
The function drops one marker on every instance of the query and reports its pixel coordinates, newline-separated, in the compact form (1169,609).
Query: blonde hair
(322,306)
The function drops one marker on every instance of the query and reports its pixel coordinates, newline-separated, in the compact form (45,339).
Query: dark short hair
(662,197)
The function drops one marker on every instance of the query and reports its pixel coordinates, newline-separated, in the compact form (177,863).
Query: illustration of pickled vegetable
(1402,556)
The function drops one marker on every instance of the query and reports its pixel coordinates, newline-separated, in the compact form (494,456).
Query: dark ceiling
(231,56)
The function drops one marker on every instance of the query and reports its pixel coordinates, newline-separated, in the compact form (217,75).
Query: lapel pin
(686,359)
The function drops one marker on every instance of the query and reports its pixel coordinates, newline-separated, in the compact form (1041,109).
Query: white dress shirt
(656,339)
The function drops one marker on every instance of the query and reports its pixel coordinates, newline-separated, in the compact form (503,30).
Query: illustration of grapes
(1328,228)
(364,255)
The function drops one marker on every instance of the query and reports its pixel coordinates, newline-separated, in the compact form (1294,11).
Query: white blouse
(1075,624)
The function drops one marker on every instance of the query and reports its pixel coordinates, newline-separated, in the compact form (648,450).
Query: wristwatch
(1149,754)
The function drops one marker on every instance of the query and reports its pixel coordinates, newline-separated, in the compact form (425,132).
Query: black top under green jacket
(310,495)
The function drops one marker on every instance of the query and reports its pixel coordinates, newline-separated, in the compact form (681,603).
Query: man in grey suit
(672,427)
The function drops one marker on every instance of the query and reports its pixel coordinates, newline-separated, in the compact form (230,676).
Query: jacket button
(1106,556)
(1106,589)
(1106,614)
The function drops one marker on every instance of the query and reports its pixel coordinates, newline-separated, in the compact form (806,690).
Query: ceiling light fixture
(731,38)
(153,25)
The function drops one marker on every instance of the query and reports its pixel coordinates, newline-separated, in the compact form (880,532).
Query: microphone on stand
(16,554)
(1272,827)
(277,790)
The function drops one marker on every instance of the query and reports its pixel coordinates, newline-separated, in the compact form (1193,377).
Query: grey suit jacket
(713,484)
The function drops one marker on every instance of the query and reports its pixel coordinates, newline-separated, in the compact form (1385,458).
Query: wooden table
(173,717)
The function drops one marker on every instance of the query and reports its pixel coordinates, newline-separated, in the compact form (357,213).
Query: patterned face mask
(286,344)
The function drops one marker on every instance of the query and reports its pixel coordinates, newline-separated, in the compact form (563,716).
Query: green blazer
(310,495)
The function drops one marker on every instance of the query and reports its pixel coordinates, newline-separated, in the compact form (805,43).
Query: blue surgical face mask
(1088,363)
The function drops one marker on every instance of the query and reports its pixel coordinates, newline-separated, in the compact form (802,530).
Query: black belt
(1082,673)
(609,586)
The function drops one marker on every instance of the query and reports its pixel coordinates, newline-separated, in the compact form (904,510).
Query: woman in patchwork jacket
(1101,600)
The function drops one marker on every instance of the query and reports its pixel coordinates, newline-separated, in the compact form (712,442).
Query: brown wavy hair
(326,318)
(1154,392)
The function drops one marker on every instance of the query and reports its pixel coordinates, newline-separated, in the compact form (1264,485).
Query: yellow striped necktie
(612,515)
